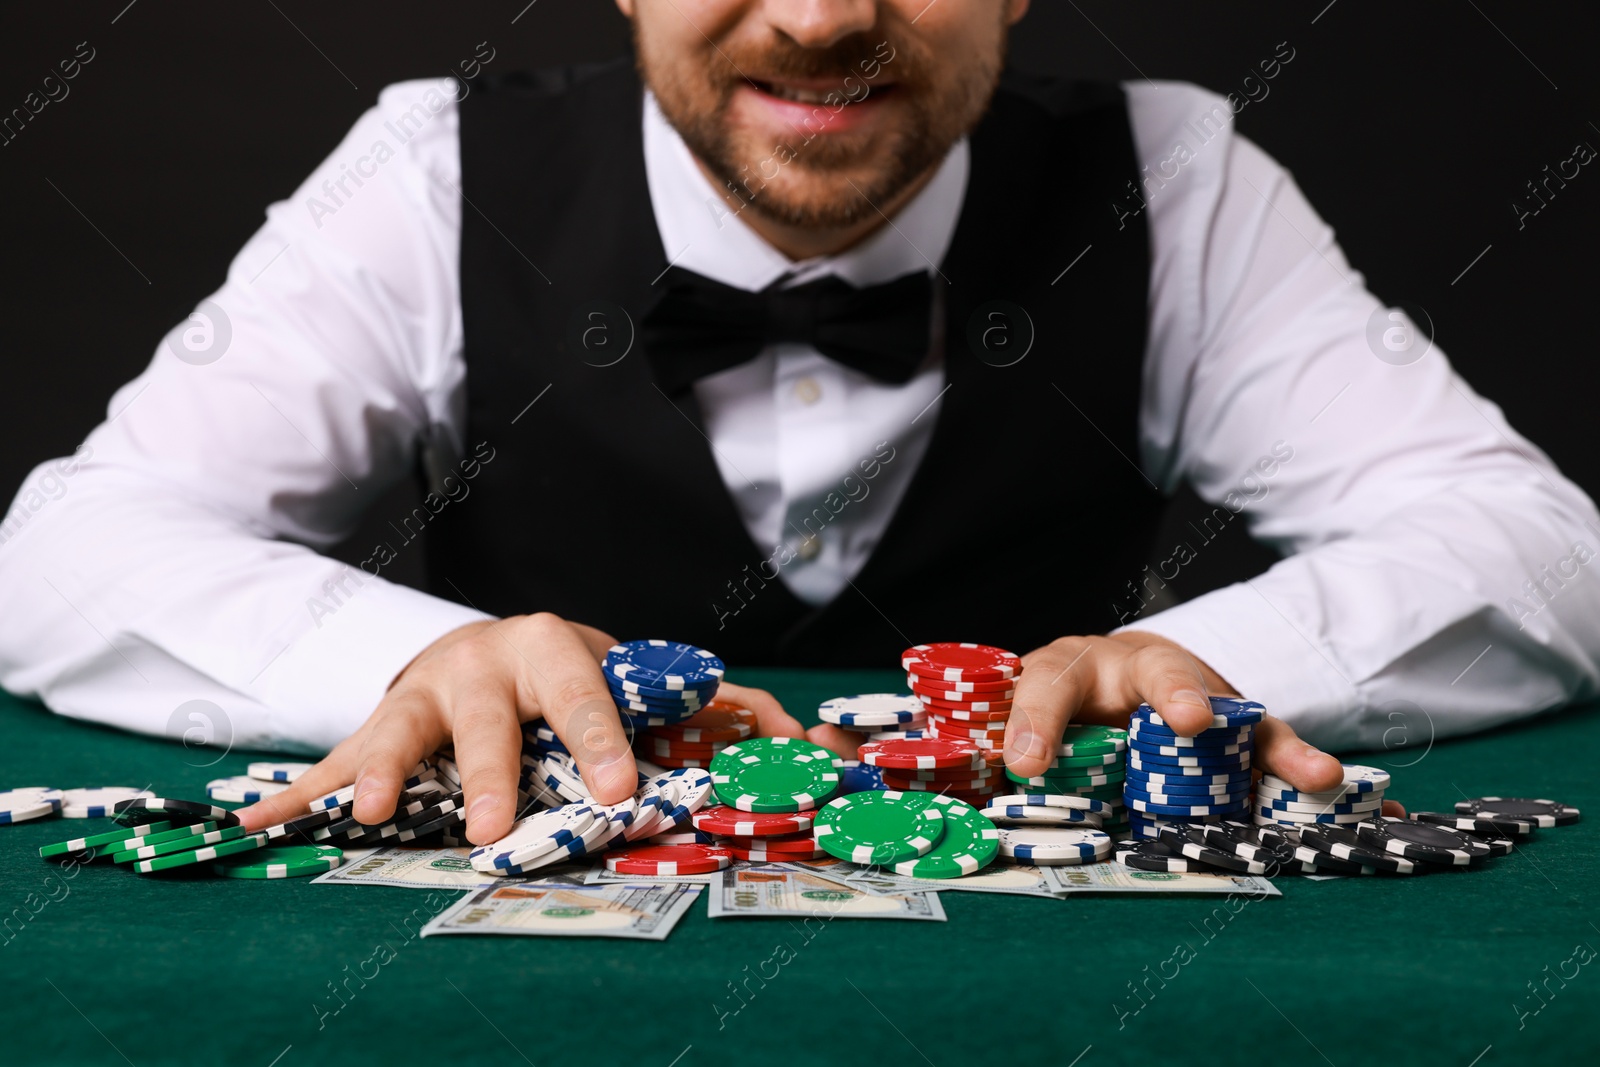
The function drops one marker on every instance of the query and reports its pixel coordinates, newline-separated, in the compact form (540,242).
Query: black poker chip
(1264,844)
(1313,862)
(141,810)
(1190,843)
(1422,841)
(1484,826)
(1540,812)
(1345,844)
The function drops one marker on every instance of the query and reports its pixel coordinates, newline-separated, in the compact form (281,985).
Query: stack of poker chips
(693,741)
(657,683)
(1088,764)
(760,837)
(1179,781)
(877,716)
(966,689)
(1357,799)
(918,835)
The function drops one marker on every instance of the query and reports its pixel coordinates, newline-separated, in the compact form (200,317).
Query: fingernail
(613,773)
(482,807)
(1190,696)
(365,786)
(1024,744)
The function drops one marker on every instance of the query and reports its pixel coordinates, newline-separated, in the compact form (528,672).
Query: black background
(1411,127)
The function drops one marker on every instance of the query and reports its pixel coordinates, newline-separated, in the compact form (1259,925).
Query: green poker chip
(970,843)
(767,774)
(883,828)
(201,855)
(1092,741)
(281,861)
(144,851)
(97,843)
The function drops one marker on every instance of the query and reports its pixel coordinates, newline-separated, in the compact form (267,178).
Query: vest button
(810,548)
(807,391)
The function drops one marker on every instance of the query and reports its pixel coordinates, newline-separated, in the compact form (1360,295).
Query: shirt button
(810,548)
(807,391)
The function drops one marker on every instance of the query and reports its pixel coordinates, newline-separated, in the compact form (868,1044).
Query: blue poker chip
(1270,807)
(1233,783)
(1151,735)
(1203,752)
(858,777)
(650,695)
(663,664)
(1181,799)
(1155,762)
(1225,712)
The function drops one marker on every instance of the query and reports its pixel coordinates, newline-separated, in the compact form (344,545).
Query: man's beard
(835,189)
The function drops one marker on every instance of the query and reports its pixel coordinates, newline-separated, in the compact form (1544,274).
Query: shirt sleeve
(1436,577)
(171,559)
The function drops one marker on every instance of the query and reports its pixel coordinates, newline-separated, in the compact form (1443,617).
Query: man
(614,319)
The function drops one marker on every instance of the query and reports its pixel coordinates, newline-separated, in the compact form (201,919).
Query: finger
(771,719)
(406,727)
(334,771)
(1394,808)
(1280,751)
(488,749)
(1049,692)
(840,742)
(1170,681)
(571,692)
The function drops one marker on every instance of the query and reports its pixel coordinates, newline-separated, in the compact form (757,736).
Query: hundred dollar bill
(1112,877)
(598,875)
(437,868)
(637,912)
(776,891)
(1010,878)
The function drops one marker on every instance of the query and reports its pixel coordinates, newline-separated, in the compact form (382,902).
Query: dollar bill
(438,868)
(636,912)
(1112,877)
(1011,878)
(598,875)
(774,890)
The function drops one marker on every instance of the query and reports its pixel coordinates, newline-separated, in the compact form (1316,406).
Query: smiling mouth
(811,93)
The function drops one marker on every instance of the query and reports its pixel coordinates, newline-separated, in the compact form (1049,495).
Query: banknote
(1113,877)
(637,912)
(774,890)
(1010,878)
(437,868)
(598,875)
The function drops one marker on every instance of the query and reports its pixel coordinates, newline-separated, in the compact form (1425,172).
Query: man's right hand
(476,686)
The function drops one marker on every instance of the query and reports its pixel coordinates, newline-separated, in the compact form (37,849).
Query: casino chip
(950,661)
(720,721)
(1421,841)
(1539,812)
(171,809)
(1485,825)
(1345,843)
(1028,814)
(1048,846)
(669,860)
(721,819)
(858,777)
(923,754)
(1260,843)
(282,861)
(28,802)
(161,844)
(1357,779)
(280,772)
(668,665)
(970,843)
(776,774)
(1226,713)
(871,709)
(201,855)
(100,844)
(880,828)
(242,790)
(1156,857)
(1190,842)
(97,802)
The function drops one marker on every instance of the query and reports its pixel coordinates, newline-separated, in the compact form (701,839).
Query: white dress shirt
(173,559)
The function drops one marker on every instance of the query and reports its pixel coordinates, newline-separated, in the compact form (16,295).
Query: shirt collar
(700,231)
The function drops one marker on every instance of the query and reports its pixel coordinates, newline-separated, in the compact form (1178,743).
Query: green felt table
(108,967)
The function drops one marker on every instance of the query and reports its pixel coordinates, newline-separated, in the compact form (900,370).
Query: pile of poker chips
(1176,781)
(693,741)
(657,683)
(760,837)
(877,716)
(1356,799)
(776,774)
(965,688)
(1088,764)
(26,803)
(919,835)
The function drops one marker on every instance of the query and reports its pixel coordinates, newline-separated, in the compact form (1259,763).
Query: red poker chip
(762,855)
(961,662)
(945,774)
(987,786)
(669,859)
(650,747)
(790,843)
(676,762)
(962,730)
(930,692)
(963,690)
(731,822)
(968,715)
(922,753)
(717,721)
(934,707)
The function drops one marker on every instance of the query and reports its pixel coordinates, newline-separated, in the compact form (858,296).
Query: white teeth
(799,96)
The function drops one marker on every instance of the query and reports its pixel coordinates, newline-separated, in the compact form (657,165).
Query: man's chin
(816,201)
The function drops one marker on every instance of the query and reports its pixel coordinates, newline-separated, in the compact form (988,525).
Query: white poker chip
(97,802)
(872,709)
(242,789)
(1032,814)
(536,836)
(649,799)
(266,771)
(1054,845)
(28,802)
(1357,779)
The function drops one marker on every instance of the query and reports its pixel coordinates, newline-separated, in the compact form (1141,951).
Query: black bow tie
(699,326)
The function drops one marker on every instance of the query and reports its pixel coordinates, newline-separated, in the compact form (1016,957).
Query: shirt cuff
(1264,651)
(329,680)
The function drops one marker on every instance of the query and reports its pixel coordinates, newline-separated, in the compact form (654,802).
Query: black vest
(603,502)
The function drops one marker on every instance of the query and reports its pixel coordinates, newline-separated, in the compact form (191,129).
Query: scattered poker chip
(1091,740)
(922,754)
(649,819)
(1539,812)
(1022,814)
(280,861)
(1156,857)
(870,709)
(423,772)
(684,792)
(1314,862)
(305,825)
(858,777)
(170,809)
(717,721)
(774,774)
(663,665)
(1302,818)
(1481,825)
(97,802)
(100,844)
(952,661)
(201,855)
(1346,844)
(1048,846)
(880,828)
(970,842)
(161,844)
(1261,843)
(1357,779)
(1190,843)
(1421,841)
(242,789)
(533,837)
(793,844)
(731,822)
(28,802)
(669,859)
(277,772)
